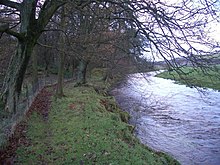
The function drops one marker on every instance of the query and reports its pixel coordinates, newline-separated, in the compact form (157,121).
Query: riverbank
(208,78)
(173,118)
(84,127)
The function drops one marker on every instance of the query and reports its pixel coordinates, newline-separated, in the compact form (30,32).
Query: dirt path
(40,105)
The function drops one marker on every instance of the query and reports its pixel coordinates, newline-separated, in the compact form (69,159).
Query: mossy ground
(207,78)
(84,127)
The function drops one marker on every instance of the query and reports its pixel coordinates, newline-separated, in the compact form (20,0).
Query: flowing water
(172,118)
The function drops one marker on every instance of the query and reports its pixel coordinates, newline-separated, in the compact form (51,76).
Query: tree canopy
(169,28)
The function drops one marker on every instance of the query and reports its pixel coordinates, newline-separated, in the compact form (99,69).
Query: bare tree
(178,29)
(171,29)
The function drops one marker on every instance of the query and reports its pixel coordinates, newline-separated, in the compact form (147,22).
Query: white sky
(213,29)
(215,34)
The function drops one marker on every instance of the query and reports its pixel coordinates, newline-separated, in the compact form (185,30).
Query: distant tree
(99,35)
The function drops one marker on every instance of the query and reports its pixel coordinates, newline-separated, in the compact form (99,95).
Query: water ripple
(173,118)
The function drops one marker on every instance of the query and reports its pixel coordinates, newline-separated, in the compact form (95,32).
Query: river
(181,121)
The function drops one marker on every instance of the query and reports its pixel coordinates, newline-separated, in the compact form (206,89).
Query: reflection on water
(173,118)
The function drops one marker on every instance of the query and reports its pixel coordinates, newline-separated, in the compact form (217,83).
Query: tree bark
(14,78)
(81,72)
(59,91)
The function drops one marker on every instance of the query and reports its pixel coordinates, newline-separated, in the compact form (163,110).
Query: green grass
(85,127)
(208,78)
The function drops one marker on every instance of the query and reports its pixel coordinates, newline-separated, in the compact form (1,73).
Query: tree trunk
(81,72)
(59,91)
(34,66)
(14,78)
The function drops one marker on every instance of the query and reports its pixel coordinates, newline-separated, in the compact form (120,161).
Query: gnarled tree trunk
(14,78)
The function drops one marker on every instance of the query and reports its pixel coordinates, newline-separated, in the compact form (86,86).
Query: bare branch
(11,4)
(15,34)
(44,45)
(47,12)
(4,28)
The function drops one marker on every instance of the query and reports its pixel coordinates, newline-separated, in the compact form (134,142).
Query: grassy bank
(84,128)
(208,78)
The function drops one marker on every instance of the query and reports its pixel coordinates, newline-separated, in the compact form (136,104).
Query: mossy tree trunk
(81,72)
(30,30)
(14,78)
(59,91)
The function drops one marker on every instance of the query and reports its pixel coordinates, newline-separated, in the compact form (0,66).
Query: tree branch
(10,4)
(4,28)
(15,34)
(43,45)
(47,11)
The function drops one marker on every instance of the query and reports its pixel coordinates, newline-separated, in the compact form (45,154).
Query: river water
(172,118)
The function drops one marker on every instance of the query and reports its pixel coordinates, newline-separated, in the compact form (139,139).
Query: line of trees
(85,31)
